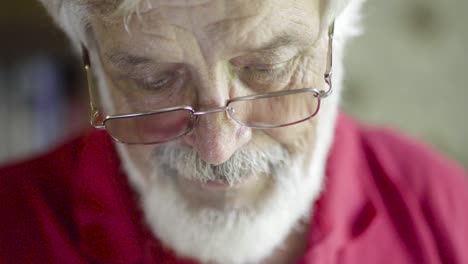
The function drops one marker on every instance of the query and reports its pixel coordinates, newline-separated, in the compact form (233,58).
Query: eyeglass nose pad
(230,112)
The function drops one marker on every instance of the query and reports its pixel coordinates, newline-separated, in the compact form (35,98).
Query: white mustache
(184,161)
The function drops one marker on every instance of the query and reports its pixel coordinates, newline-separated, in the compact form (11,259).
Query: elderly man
(218,140)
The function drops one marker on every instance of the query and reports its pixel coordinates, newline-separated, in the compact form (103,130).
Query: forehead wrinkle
(235,17)
(233,29)
(261,33)
(227,24)
(286,31)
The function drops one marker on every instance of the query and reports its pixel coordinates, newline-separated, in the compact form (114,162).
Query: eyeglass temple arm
(328,72)
(96,119)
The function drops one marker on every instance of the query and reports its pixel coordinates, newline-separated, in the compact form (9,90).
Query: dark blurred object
(26,30)
(43,104)
(42,96)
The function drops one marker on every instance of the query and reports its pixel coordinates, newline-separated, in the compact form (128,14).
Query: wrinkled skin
(220,50)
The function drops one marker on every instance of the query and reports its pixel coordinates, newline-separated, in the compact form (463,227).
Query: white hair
(72,16)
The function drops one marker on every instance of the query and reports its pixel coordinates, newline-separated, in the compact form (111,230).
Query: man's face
(202,53)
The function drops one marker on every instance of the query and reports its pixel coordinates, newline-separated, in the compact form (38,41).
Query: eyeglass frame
(97,120)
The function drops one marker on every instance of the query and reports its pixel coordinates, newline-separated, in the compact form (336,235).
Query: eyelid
(266,66)
(158,84)
(165,76)
(271,57)
(157,79)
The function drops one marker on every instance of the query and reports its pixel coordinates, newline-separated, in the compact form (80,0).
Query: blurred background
(409,71)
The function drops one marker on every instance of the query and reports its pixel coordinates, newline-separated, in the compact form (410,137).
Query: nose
(215,137)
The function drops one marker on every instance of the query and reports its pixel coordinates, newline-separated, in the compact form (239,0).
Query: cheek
(300,139)
(141,157)
(297,139)
(308,74)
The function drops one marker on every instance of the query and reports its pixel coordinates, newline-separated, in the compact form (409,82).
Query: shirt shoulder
(37,205)
(412,163)
(64,207)
(46,171)
(422,191)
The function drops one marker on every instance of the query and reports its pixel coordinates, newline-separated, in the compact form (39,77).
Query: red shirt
(387,200)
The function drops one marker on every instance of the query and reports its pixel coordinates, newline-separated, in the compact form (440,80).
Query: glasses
(260,111)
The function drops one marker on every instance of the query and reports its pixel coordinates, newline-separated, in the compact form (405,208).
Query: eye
(166,81)
(263,75)
(158,83)
(266,68)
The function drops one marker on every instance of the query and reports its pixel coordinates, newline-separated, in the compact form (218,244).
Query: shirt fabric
(387,199)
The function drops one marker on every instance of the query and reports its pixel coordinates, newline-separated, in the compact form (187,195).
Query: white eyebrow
(122,59)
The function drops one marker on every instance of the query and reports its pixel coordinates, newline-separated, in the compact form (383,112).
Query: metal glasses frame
(97,120)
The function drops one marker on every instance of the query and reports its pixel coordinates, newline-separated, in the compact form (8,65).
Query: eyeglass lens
(150,128)
(275,111)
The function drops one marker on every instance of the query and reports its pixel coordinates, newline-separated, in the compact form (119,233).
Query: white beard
(230,236)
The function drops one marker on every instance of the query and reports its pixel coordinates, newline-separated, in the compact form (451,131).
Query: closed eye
(166,81)
(266,72)
(157,84)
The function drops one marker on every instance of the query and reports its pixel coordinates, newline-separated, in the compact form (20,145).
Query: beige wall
(410,71)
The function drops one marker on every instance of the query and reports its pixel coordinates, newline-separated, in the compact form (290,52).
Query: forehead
(215,25)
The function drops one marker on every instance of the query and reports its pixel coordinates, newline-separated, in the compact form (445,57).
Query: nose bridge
(212,94)
(211,82)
